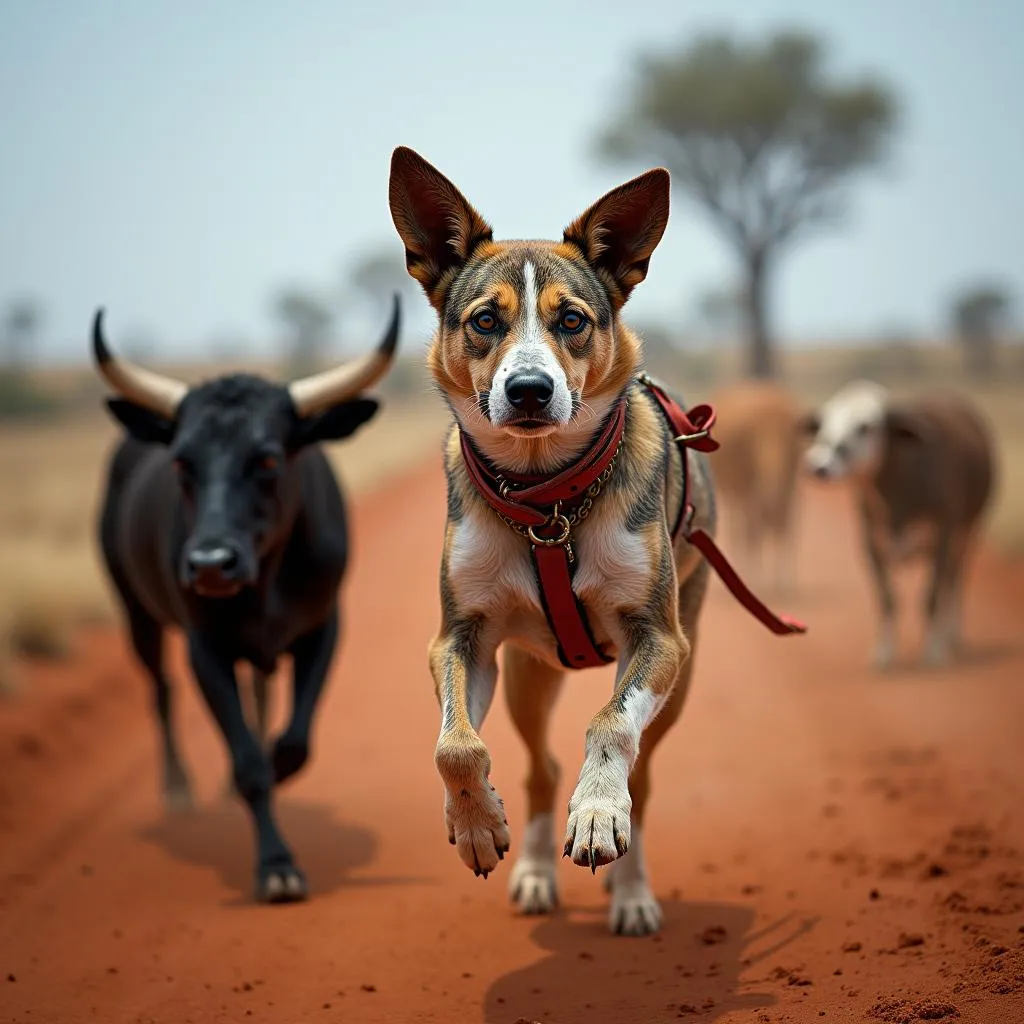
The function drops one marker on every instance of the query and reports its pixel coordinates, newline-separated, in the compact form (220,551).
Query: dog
(541,376)
(922,471)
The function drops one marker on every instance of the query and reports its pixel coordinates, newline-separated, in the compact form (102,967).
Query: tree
(979,314)
(761,138)
(308,322)
(20,330)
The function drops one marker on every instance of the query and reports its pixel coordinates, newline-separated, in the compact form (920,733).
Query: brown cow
(923,473)
(756,468)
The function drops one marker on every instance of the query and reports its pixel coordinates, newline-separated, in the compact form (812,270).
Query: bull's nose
(212,564)
(529,392)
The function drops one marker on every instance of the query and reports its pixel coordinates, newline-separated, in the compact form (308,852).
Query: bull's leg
(277,878)
(148,639)
(312,655)
(261,699)
(955,605)
(885,646)
(531,689)
(465,674)
(940,601)
(257,718)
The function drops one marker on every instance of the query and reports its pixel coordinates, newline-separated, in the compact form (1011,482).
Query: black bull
(222,517)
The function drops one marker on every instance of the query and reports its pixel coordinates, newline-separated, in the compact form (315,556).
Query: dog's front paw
(598,828)
(477,827)
(634,910)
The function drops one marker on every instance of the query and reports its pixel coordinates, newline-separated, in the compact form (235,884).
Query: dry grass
(51,580)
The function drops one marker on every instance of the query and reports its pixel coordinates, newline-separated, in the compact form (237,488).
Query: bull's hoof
(290,754)
(281,883)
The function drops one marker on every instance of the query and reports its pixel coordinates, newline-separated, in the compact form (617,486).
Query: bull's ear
(334,423)
(140,422)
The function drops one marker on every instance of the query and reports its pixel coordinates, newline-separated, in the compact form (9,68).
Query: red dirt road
(828,843)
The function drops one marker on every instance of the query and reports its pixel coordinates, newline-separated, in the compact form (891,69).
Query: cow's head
(232,441)
(851,431)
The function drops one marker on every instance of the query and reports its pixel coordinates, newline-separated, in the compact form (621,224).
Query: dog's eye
(572,321)
(863,429)
(484,322)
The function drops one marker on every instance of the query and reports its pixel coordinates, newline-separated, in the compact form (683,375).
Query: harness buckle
(556,519)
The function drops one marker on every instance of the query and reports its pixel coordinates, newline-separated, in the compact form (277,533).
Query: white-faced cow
(923,472)
(222,517)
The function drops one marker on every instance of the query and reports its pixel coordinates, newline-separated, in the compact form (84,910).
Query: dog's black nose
(529,392)
(821,472)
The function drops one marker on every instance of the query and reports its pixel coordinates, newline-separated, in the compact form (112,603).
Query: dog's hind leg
(634,909)
(531,689)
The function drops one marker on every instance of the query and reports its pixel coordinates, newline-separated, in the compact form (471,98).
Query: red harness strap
(515,497)
(519,498)
(692,430)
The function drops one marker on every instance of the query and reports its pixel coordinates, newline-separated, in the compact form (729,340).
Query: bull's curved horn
(314,394)
(161,394)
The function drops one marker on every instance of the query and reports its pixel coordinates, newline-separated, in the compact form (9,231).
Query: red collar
(527,499)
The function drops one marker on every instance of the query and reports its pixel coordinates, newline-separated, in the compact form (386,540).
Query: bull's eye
(484,322)
(572,321)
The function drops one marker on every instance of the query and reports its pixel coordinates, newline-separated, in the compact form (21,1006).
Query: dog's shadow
(220,836)
(593,977)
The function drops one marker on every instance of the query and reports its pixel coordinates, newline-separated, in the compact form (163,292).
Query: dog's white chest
(492,575)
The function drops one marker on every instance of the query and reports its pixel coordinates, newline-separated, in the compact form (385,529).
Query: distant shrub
(20,398)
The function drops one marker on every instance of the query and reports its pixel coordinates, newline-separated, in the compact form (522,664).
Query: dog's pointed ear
(620,231)
(437,224)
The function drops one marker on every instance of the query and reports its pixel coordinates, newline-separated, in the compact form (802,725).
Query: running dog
(571,517)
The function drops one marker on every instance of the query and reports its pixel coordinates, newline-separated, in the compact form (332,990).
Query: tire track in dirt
(828,843)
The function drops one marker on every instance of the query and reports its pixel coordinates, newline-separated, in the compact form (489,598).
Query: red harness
(566,499)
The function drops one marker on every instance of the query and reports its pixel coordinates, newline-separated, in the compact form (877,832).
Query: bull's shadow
(593,977)
(219,836)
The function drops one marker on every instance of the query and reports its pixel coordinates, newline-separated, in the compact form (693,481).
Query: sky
(179,163)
